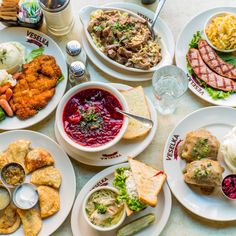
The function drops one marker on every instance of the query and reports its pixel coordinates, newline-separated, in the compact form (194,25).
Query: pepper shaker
(75,52)
(78,73)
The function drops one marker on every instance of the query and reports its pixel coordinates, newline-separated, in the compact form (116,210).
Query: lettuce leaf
(196,37)
(61,78)
(228,57)
(34,53)
(119,182)
(217,94)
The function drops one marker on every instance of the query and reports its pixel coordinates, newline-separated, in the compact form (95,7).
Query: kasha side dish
(214,71)
(45,178)
(27,82)
(124,39)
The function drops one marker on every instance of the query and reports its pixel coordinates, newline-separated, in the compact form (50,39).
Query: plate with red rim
(219,121)
(32,39)
(197,23)
(115,71)
(162,211)
(117,153)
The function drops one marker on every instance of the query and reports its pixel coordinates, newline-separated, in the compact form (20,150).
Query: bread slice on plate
(149,181)
(137,105)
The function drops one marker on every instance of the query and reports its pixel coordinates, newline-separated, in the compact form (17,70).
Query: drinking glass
(169,84)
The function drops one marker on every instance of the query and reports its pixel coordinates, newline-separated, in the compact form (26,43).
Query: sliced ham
(205,74)
(211,58)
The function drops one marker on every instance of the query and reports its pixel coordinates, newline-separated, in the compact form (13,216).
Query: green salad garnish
(34,53)
(119,182)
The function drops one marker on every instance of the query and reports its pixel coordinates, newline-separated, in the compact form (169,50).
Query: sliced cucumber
(136,225)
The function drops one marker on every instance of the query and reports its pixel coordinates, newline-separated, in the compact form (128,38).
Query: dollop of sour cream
(228,149)
(25,196)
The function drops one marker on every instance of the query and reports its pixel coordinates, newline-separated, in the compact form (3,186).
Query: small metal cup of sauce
(5,197)
(12,175)
(25,196)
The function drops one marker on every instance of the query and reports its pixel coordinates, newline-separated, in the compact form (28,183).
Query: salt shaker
(75,52)
(78,73)
(58,16)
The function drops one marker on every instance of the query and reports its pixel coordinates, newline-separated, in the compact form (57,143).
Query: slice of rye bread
(137,105)
(149,181)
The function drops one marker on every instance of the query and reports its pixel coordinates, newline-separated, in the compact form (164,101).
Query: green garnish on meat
(201,173)
(126,27)
(201,149)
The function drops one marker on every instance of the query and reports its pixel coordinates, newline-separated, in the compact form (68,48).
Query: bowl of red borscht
(86,117)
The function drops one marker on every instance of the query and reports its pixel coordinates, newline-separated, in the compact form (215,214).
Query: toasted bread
(137,105)
(149,181)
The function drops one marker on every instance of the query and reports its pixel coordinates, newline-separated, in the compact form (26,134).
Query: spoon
(146,122)
(158,10)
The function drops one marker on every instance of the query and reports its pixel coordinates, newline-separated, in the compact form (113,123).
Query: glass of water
(169,84)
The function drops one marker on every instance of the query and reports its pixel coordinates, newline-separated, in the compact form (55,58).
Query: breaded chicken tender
(35,87)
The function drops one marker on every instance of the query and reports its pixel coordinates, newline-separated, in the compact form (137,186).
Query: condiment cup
(100,228)
(77,89)
(35,201)
(222,184)
(4,169)
(9,194)
(206,37)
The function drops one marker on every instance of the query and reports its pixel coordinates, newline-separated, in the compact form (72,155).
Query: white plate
(85,19)
(118,153)
(29,38)
(219,121)
(62,163)
(81,228)
(115,71)
(184,38)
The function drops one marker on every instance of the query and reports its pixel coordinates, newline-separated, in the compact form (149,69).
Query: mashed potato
(228,149)
(12,56)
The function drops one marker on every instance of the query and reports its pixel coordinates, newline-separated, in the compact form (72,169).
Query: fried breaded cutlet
(35,86)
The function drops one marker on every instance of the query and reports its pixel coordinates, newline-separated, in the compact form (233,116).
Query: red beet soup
(90,119)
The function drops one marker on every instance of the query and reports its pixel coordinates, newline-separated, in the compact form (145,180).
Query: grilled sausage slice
(211,58)
(204,73)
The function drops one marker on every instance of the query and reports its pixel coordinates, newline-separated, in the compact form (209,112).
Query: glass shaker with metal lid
(78,73)
(58,16)
(75,52)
